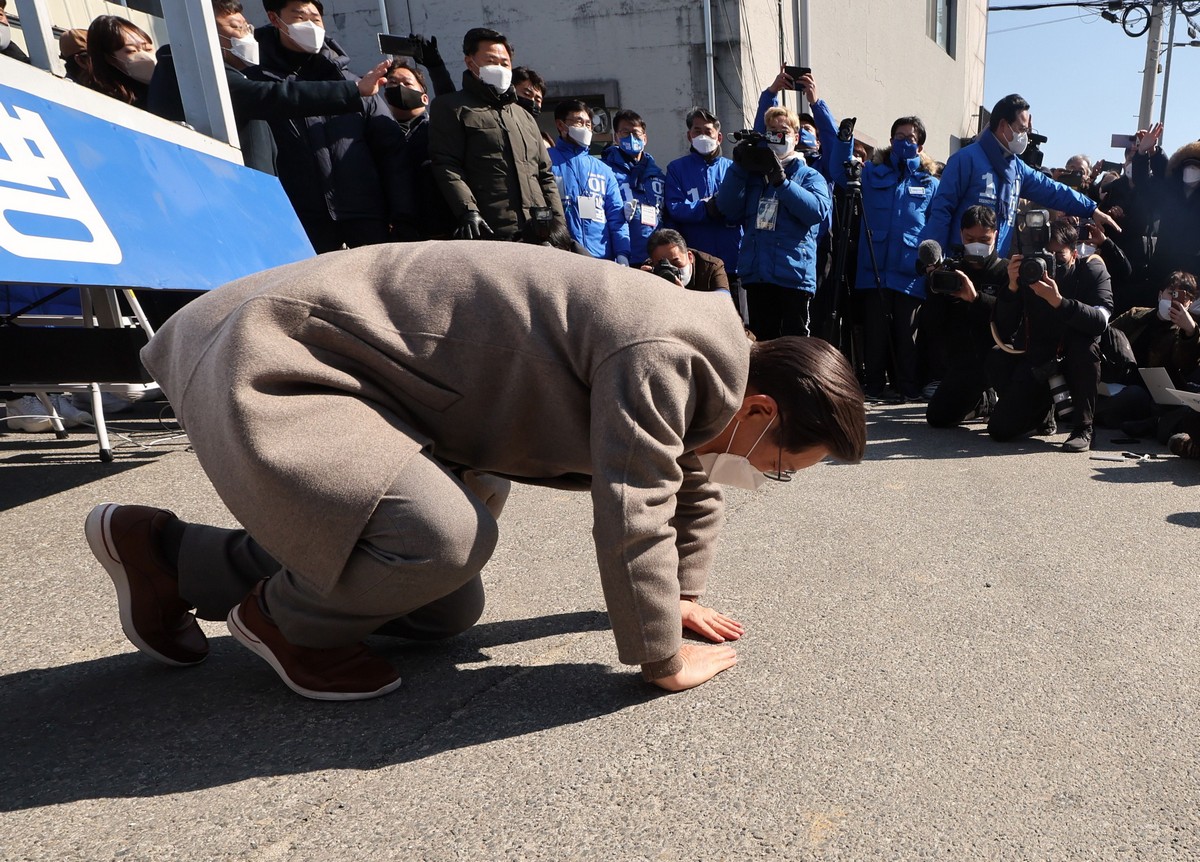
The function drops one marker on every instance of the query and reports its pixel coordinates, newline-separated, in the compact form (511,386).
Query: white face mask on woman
(139,65)
(5,37)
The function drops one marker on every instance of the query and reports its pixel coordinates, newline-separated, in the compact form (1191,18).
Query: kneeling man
(362,413)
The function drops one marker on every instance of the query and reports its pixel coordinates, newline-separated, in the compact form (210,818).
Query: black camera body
(944,278)
(1033,155)
(853,168)
(1033,235)
(665,269)
(751,136)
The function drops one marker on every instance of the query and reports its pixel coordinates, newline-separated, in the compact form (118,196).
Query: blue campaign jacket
(581,175)
(985,173)
(787,255)
(645,185)
(832,153)
(691,179)
(895,205)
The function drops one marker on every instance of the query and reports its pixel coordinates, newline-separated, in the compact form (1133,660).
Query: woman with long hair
(122,59)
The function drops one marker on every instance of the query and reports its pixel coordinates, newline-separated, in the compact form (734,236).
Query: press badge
(917,191)
(768,211)
(589,208)
(649,215)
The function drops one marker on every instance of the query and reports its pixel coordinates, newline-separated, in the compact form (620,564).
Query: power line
(1027,26)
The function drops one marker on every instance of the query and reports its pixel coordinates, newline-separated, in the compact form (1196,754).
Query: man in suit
(362,414)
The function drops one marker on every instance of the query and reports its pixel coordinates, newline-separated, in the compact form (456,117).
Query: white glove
(630,206)
(622,259)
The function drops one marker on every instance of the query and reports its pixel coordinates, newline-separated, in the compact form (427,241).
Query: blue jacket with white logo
(691,179)
(605,234)
(785,254)
(985,173)
(895,202)
(643,189)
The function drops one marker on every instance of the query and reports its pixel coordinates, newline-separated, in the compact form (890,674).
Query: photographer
(670,258)
(897,187)
(1056,314)
(781,203)
(961,321)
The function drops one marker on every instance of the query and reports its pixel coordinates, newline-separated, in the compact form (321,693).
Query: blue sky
(1083,78)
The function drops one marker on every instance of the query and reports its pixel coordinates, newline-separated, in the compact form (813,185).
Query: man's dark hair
(806,120)
(702,114)
(665,236)
(1006,110)
(916,123)
(476,36)
(632,117)
(1063,231)
(400,64)
(277,6)
(819,399)
(1180,280)
(569,106)
(978,216)
(3,5)
(521,74)
(221,8)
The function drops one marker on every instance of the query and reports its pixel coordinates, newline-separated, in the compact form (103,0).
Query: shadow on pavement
(1184,519)
(125,726)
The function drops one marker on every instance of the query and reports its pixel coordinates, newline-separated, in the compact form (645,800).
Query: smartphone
(1071,179)
(401,46)
(795,73)
(1105,165)
(1123,142)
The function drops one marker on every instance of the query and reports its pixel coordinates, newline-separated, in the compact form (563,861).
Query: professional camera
(853,168)
(749,135)
(944,279)
(540,223)
(1060,396)
(1072,179)
(1033,235)
(1033,154)
(665,269)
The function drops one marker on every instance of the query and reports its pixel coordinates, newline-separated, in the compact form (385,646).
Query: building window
(939,17)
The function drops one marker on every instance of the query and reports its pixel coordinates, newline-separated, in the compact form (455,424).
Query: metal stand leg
(106,453)
(60,430)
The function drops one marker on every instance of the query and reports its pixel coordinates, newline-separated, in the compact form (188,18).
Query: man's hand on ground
(700,664)
(709,623)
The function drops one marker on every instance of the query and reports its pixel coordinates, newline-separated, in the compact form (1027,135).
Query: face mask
(499,78)
(685,274)
(1164,309)
(5,37)
(736,471)
(580,135)
(404,98)
(139,66)
(1191,175)
(308,35)
(783,149)
(704,145)
(977,252)
(529,104)
(808,141)
(245,48)
(906,149)
(1086,250)
(1018,144)
(631,144)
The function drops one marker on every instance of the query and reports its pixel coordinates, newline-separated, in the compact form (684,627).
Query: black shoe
(1184,445)
(1079,441)
(883,396)
(1048,428)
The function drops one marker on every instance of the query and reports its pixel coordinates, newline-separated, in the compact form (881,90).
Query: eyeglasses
(779,474)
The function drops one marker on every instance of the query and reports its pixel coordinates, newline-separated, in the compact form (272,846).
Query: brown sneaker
(126,541)
(341,673)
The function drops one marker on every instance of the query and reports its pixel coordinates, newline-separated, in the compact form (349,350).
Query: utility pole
(1162,117)
(1150,73)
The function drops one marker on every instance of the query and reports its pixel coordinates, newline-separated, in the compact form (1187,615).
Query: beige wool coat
(307,388)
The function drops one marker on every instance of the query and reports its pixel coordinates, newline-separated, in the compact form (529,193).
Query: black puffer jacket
(329,166)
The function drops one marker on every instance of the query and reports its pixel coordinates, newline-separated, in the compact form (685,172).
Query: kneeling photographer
(961,298)
(670,258)
(1053,312)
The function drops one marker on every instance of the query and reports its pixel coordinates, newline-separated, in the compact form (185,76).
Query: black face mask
(404,98)
(529,104)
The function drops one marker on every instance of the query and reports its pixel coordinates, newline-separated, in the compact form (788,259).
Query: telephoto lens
(1060,395)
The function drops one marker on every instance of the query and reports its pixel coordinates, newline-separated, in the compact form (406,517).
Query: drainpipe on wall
(801,26)
(709,68)
(383,17)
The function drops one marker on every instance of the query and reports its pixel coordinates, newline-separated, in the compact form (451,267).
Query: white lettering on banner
(37,179)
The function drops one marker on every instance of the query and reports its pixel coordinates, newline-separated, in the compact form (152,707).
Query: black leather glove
(774,174)
(710,206)
(741,153)
(429,52)
(472,226)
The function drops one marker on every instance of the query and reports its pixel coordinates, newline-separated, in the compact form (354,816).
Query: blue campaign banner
(89,200)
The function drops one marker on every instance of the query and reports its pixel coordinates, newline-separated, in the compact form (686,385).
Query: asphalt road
(955,650)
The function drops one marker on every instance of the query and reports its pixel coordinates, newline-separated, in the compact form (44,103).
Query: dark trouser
(891,317)
(961,388)
(329,235)
(1130,404)
(413,573)
(1024,394)
(776,311)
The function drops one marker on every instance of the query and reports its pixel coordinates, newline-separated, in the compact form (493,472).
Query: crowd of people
(806,227)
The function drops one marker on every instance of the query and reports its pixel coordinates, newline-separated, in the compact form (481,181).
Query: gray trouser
(413,573)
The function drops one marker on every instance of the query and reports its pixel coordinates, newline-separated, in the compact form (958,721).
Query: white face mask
(781,149)
(1086,250)
(245,48)
(581,135)
(736,471)
(1164,309)
(685,274)
(139,66)
(499,78)
(309,35)
(1191,175)
(977,250)
(705,145)
(5,37)
(1018,144)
